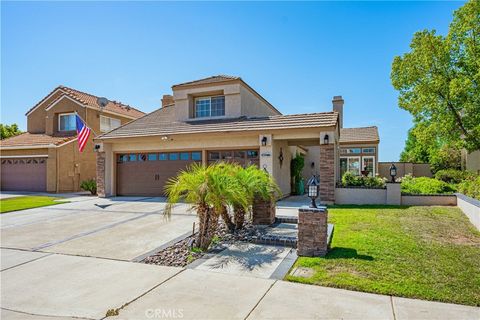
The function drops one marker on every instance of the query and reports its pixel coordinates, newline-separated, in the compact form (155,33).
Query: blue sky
(297,55)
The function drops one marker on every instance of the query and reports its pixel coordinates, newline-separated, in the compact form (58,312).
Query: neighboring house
(46,157)
(222,118)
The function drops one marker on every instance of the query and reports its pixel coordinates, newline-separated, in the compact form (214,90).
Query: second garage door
(24,174)
(145,174)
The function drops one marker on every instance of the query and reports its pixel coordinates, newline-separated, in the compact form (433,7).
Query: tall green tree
(439,79)
(7,131)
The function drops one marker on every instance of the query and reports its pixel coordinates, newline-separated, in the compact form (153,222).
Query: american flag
(83,132)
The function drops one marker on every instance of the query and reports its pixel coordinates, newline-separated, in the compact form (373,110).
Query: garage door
(24,174)
(145,174)
(242,157)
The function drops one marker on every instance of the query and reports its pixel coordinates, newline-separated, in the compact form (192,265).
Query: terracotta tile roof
(364,134)
(212,79)
(34,139)
(159,123)
(91,100)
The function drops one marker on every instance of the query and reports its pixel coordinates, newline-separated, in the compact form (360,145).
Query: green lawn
(430,253)
(28,202)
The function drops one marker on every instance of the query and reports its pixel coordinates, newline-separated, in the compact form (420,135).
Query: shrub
(424,185)
(470,187)
(89,185)
(351,180)
(453,176)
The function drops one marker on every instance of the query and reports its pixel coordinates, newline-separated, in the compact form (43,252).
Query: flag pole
(86,123)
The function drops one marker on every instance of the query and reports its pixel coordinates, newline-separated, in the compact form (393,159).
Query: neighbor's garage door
(24,174)
(145,174)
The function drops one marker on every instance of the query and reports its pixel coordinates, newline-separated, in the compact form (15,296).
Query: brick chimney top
(338,107)
(167,100)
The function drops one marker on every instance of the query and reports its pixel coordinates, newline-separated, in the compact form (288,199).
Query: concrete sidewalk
(43,286)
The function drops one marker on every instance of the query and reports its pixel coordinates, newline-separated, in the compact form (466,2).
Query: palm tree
(210,190)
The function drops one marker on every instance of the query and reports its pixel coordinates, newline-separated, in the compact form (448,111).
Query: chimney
(338,107)
(167,100)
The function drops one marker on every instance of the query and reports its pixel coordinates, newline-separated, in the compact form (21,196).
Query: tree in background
(439,83)
(424,146)
(7,131)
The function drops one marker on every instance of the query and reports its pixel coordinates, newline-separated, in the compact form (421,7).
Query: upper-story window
(108,124)
(67,122)
(210,107)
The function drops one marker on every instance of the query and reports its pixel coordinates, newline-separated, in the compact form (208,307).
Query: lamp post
(313,190)
(393,172)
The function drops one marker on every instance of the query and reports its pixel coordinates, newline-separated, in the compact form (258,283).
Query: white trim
(61,98)
(110,123)
(25,156)
(40,146)
(359,163)
(363,164)
(44,99)
(59,122)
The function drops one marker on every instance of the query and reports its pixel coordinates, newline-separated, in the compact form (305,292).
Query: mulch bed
(180,254)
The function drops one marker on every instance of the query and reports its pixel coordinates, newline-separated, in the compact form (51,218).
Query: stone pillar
(101,174)
(312,232)
(327,173)
(394,194)
(263,211)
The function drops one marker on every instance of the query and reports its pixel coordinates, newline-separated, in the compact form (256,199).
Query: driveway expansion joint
(45,315)
(260,300)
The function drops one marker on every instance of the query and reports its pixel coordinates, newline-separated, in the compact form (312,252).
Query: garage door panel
(138,175)
(24,174)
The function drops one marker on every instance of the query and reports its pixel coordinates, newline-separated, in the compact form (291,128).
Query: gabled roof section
(212,79)
(359,135)
(90,100)
(220,79)
(159,123)
(34,139)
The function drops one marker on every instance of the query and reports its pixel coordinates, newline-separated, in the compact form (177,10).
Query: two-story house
(46,157)
(222,118)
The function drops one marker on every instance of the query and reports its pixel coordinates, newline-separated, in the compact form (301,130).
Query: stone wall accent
(263,211)
(101,174)
(327,173)
(312,232)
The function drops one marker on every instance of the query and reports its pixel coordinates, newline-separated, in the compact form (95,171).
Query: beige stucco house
(46,157)
(222,118)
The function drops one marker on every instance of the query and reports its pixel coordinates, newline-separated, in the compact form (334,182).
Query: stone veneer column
(101,174)
(263,211)
(312,232)
(327,173)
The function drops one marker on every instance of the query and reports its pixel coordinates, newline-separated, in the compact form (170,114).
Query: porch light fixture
(326,138)
(393,172)
(164,138)
(264,141)
(313,186)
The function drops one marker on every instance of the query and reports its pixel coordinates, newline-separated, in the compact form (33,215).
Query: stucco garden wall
(470,207)
(360,196)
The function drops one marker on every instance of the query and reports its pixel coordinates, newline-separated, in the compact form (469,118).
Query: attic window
(210,107)
(67,122)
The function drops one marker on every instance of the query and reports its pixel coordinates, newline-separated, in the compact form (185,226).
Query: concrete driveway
(78,261)
(118,228)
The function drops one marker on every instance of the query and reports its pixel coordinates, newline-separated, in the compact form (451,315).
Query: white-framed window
(351,150)
(108,124)
(67,122)
(210,107)
(368,150)
(368,163)
(351,164)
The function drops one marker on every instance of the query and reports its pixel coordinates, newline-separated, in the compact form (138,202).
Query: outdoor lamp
(313,190)
(264,141)
(393,172)
(325,139)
